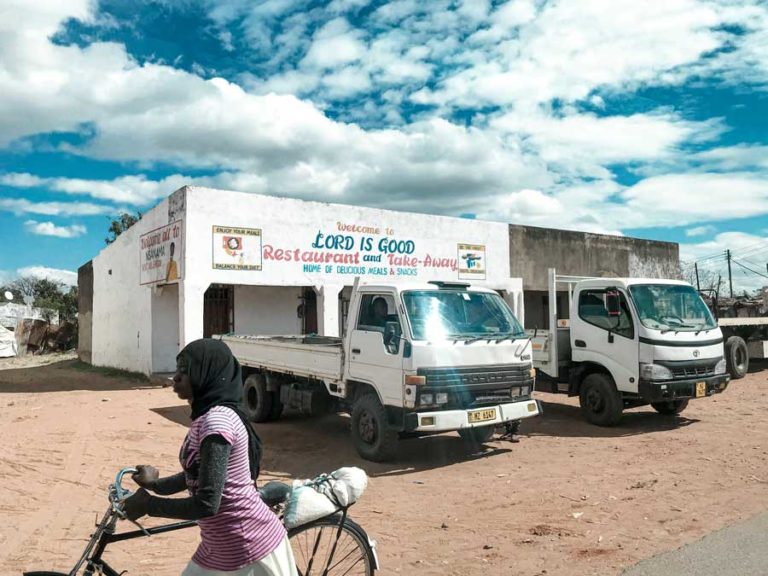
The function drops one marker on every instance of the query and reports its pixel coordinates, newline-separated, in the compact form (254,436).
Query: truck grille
(695,369)
(472,386)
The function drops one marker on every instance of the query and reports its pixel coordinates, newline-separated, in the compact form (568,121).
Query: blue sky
(647,119)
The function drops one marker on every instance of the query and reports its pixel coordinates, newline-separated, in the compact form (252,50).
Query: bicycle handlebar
(120,492)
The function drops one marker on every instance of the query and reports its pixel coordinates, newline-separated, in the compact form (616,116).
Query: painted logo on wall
(236,248)
(471,262)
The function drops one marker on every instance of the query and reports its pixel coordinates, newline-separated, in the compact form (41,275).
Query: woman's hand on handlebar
(146,476)
(137,505)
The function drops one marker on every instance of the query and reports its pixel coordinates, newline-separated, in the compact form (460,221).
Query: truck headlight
(441,398)
(720,368)
(655,372)
(426,399)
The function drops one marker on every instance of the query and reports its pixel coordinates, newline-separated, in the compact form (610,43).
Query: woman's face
(182,385)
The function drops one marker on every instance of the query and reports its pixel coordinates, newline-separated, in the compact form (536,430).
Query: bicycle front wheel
(326,547)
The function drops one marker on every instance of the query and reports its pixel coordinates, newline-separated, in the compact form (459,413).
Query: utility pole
(696,267)
(730,278)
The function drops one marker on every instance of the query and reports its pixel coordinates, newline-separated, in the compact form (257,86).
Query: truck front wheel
(670,407)
(601,403)
(737,357)
(373,438)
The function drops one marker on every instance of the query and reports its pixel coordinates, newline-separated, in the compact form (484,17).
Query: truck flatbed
(313,357)
(746,321)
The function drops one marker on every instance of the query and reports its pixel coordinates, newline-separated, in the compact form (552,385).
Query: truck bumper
(680,389)
(448,420)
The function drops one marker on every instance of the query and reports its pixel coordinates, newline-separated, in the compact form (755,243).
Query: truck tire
(258,401)
(736,357)
(371,434)
(670,407)
(600,401)
(477,436)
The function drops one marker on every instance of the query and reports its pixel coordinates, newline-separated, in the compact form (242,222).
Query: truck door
(371,359)
(611,342)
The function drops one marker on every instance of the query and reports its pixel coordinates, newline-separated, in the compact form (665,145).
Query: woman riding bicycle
(239,534)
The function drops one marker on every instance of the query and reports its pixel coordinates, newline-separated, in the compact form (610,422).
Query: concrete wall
(85,311)
(267,310)
(122,308)
(533,250)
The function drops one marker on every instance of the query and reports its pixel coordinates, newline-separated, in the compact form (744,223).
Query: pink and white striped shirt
(244,529)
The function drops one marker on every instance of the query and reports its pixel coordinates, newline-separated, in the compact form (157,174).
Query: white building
(208,261)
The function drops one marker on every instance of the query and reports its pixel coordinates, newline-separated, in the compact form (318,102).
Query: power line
(748,268)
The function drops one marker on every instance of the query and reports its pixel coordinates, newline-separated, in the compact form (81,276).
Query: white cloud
(682,199)
(334,45)
(529,160)
(571,49)
(50,229)
(739,157)
(585,143)
(700,231)
(24,206)
(66,277)
(133,190)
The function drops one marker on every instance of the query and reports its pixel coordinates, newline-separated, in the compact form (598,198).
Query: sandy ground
(569,498)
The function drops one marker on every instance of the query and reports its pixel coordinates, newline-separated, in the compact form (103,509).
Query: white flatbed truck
(440,356)
(629,342)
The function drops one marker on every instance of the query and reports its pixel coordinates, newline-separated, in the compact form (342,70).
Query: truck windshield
(444,314)
(671,307)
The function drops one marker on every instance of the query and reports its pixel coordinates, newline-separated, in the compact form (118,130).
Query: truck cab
(630,342)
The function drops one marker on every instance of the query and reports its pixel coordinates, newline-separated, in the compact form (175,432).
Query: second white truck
(414,359)
(630,342)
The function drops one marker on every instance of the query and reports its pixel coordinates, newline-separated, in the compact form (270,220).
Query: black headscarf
(216,380)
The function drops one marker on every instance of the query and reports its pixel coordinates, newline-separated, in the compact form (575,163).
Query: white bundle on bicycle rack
(313,499)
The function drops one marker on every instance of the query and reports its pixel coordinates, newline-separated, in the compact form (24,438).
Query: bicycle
(333,545)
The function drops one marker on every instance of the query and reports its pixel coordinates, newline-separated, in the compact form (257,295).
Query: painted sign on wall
(366,250)
(471,262)
(161,255)
(236,248)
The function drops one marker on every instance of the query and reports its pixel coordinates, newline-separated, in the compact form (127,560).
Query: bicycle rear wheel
(321,549)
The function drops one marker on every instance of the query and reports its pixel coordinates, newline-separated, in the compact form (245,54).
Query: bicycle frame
(105,535)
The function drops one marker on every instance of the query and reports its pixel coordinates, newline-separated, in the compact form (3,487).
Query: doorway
(218,310)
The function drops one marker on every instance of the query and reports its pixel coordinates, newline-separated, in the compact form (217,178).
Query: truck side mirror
(613,303)
(392,337)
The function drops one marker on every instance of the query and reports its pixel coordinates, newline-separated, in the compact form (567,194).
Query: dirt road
(569,498)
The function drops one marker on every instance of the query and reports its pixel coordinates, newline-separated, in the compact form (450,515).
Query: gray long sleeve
(214,457)
(170,484)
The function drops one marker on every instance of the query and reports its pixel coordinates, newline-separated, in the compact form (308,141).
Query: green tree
(47,294)
(119,225)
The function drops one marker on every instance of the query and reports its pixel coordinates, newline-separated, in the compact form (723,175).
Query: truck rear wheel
(478,435)
(736,357)
(373,438)
(257,399)
(601,403)
(670,407)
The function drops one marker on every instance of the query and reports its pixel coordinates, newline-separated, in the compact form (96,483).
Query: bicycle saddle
(273,493)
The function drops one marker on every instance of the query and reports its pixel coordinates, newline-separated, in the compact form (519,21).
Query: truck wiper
(511,336)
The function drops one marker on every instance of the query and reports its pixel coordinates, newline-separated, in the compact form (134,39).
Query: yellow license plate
(701,389)
(482,415)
